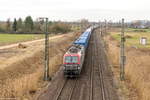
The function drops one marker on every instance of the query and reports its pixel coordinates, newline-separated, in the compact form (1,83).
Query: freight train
(74,58)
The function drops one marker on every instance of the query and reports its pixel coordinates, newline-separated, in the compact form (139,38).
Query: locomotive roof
(75,49)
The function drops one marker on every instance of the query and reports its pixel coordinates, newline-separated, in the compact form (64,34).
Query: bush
(140,30)
(60,28)
(2,27)
(2,30)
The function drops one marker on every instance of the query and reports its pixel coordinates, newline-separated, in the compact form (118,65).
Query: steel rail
(100,70)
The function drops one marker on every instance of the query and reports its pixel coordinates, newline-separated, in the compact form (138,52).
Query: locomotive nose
(71,66)
(71,69)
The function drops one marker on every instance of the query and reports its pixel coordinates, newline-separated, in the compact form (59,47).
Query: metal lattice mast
(46,72)
(122,53)
(105,27)
(46,53)
(100,28)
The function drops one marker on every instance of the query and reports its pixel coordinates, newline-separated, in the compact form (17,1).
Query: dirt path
(95,82)
(28,42)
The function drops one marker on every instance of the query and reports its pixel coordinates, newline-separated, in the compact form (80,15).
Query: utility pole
(46,54)
(122,54)
(105,27)
(81,27)
(100,28)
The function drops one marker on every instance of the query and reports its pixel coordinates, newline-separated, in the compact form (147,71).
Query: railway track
(98,89)
(101,79)
(94,83)
(91,65)
(92,74)
(68,86)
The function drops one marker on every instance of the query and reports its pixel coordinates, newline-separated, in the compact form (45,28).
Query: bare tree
(8,25)
(84,24)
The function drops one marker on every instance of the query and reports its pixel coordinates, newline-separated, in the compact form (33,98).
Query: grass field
(133,37)
(14,38)
(136,30)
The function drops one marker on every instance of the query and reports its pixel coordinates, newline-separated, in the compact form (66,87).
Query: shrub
(60,28)
(140,30)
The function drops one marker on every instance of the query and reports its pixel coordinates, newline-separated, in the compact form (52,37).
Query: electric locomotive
(74,58)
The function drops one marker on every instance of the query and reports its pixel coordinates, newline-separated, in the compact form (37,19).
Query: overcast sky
(68,10)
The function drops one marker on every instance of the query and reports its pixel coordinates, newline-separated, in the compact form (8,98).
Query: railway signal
(122,54)
(46,54)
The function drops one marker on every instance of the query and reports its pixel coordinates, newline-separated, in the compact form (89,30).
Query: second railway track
(100,67)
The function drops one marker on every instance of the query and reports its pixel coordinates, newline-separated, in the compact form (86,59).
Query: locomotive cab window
(68,59)
(71,59)
(74,59)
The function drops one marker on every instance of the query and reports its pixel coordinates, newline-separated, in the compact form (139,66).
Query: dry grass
(23,78)
(137,84)
(137,70)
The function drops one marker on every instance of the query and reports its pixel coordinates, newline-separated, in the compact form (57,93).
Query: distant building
(140,24)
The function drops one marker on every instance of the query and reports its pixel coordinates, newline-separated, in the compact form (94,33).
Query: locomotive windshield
(68,59)
(71,59)
(74,59)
